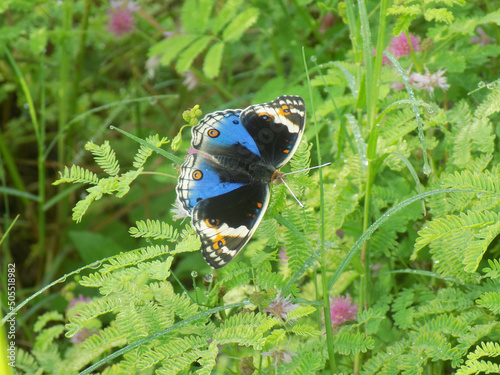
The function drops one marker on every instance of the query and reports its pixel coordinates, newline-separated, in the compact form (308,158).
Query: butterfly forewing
(276,128)
(221,133)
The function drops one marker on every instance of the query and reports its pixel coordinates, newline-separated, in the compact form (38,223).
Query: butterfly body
(224,183)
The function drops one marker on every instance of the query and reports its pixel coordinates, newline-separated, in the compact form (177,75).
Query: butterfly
(224,184)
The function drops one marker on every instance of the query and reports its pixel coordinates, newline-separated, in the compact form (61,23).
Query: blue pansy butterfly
(224,184)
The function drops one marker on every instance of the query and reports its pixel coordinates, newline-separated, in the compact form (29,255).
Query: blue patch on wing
(221,133)
(203,178)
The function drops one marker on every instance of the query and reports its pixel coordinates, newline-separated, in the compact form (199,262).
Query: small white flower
(429,81)
(151,64)
(280,356)
(178,211)
(191,80)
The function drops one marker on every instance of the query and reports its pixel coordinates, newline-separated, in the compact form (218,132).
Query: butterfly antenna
(291,192)
(308,169)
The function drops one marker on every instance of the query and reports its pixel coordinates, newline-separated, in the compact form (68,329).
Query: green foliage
(423,278)
(468,234)
(206,27)
(153,229)
(145,152)
(432,11)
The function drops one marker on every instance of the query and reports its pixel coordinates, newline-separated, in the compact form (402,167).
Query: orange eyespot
(285,110)
(212,222)
(219,243)
(265,116)
(197,175)
(213,133)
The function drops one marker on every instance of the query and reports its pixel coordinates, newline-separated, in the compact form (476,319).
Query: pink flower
(342,309)
(80,300)
(85,332)
(121,16)
(82,335)
(280,307)
(400,47)
(398,86)
(483,38)
(283,258)
(430,81)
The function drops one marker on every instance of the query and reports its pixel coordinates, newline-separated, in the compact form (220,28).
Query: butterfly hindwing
(276,127)
(226,222)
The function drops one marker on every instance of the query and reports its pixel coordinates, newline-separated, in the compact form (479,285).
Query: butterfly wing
(276,128)
(221,133)
(216,186)
(203,177)
(225,223)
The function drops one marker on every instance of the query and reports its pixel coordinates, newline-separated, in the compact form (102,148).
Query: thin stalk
(11,168)
(42,173)
(63,97)
(377,66)
(4,149)
(77,72)
(367,53)
(351,21)
(324,280)
(64,69)
(372,76)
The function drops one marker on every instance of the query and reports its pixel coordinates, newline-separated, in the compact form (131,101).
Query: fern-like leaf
(309,363)
(105,157)
(145,152)
(305,330)
(493,271)
(42,320)
(490,105)
(247,330)
(459,242)
(491,301)
(155,229)
(346,342)
(76,175)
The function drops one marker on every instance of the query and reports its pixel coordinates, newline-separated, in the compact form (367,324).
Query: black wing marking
(225,223)
(276,127)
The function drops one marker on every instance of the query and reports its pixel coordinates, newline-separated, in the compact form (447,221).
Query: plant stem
(63,102)
(77,72)
(324,281)
(63,98)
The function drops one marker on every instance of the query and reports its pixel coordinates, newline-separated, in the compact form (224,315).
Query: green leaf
(171,47)
(38,40)
(196,15)
(240,24)
(491,301)
(187,57)
(211,66)
(228,11)
(439,15)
